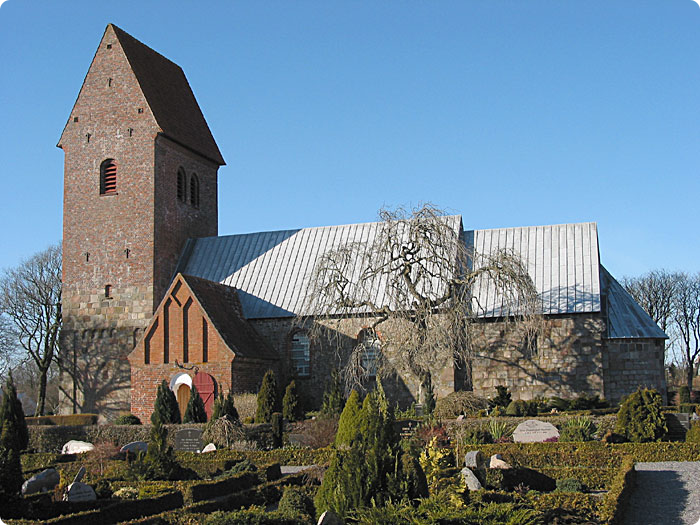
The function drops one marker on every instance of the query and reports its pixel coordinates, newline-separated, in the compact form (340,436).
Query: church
(151,292)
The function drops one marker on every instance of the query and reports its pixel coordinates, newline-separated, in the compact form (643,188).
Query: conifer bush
(502,397)
(195,411)
(349,423)
(640,418)
(333,397)
(296,503)
(224,406)
(693,434)
(291,408)
(277,423)
(684,395)
(165,409)
(578,429)
(12,413)
(127,419)
(267,398)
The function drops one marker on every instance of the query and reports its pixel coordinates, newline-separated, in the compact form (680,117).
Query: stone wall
(568,360)
(631,363)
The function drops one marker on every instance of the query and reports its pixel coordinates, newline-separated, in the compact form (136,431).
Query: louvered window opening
(181,185)
(301,355)
(194,191)
(108,177)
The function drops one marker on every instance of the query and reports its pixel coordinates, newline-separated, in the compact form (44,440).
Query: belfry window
(108,177)
(194,191)
(181,184)
(300,354)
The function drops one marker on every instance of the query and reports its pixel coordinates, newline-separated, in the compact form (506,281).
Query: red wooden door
(206,386)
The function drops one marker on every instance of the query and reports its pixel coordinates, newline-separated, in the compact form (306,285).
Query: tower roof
(169,96)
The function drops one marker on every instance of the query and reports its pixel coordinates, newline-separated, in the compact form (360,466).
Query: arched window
(371,350)
(108,177)
(194,191)
(300,354)
(181,184)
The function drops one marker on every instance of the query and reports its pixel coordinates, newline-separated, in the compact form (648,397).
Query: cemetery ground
(518,464)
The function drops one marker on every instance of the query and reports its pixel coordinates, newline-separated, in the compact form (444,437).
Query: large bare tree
(655,292)
(30,297)
(412,285)
(686,320)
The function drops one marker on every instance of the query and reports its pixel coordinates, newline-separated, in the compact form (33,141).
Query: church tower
(140,178)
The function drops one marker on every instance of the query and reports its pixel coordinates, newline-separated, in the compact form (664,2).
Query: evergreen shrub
(502,397)
(165,409)
(570,485)
(224,406)
(693,434)
(277,423)
(127,419)
(517,408)
(333,397)
(684,395)
(640,418)
(291,408)
(296,503)
(195,411)
(267,398)
(580,428)
(349,423)
(12,414)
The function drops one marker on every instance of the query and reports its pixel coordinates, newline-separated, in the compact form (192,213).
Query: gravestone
(475,460)
(498,462)
(535,431)
(470,479)
(44,481)
(76,447)
(211,447)
(188,440)
(79,476)
(135,446)
(77,491)
(329,518)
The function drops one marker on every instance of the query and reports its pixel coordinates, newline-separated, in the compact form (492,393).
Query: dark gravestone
(188,440)
(677,424)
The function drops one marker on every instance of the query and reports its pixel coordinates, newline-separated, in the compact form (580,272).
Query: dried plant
(246,404)
(223,432)
(98,456)
(411,286)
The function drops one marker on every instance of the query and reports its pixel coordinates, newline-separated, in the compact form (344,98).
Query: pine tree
(429,402)
(195,411)
(267,398)
(291,409)
(160,457)
(165,408)
(11,410)
(349,424)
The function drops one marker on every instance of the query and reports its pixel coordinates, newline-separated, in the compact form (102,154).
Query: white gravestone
(77,491)
(44,481)
(211,447)
(534,431)
(135,446)
(77,447)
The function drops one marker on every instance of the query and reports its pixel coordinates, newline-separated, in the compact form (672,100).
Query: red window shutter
(206,386)
(110,178)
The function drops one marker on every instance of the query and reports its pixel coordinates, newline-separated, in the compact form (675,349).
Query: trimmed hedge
(213,489)
(613,506)
(68,419)
(51,438)
(584,505)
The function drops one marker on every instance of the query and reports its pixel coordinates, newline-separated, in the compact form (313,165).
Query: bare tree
(686,320)
(412,284)
(654,292)
(9,355)
(30,296)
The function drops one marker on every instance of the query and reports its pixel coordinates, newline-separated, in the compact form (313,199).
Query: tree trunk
(689,378)
(41,400)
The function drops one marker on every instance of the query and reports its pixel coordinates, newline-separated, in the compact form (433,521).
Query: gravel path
(666,493)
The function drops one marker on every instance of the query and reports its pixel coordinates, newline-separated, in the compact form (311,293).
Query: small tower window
(108,177)
(108,291)
(181,185)
(194,191)
(300,354)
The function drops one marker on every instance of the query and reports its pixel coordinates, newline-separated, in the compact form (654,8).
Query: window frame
(290,353)
(108,181)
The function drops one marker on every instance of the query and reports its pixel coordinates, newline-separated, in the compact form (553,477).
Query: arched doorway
(183,397)
(181,385)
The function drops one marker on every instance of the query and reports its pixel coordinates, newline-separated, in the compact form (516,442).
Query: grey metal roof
(562,261)
(626,319)
(272,270)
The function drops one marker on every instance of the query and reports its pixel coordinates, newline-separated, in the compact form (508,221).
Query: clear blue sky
(512,113)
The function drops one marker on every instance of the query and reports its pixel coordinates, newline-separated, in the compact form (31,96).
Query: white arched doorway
(181,385)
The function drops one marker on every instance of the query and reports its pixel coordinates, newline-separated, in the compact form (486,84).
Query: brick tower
(140,178)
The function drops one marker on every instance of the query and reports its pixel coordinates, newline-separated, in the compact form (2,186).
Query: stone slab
(44,481)
(135,446)
(470,479)
(188,440)
(535,431)
(474,459)
(77,491)
(329,518)
(76,447)
(211,447)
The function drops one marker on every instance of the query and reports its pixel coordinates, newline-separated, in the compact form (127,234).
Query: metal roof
(272,270)
(626,319)
(562,261)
